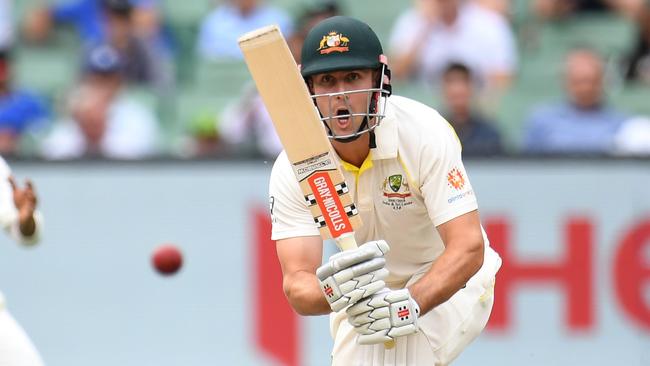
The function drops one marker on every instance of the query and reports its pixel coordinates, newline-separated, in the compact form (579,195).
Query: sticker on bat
(306,167)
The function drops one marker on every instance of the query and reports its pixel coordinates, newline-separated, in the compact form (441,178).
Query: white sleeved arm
(406,32)
(290,216)
(444,183)
(499,45)
(9,214)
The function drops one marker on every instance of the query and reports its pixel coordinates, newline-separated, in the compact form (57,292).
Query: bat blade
(303,136)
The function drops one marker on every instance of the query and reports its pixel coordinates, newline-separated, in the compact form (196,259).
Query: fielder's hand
(354,274)
(384,316)
(25,202)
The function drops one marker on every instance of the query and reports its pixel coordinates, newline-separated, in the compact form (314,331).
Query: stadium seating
(206,87)
(47,70)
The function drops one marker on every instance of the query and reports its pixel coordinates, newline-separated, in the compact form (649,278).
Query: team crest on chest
(396,192)
(395,182)
(333,42)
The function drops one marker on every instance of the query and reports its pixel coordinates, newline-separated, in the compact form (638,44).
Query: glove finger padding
(360,269)
(343,260)
(384,316)
(352,275)
(340,296)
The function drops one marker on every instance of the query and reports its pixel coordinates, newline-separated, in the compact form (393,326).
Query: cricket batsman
(20,219)
(424,279)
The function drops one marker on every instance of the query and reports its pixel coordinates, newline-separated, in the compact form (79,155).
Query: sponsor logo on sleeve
(456,180)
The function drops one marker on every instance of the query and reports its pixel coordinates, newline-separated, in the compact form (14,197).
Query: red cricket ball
(167,259)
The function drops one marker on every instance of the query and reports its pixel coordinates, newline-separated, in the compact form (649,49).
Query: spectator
(6,24)
(313,14)
(246,123)
(477,135)
(203,138)
(247,127)
(129,28)
(141,64)
(220,29)
(434,33)
(88,17)
(558,9)
(104,121)
(502,7)
(20,110)
(638,63)
(633,138)
(581,124)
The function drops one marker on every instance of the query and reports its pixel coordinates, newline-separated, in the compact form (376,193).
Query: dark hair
(322,8)
(103,59)
(459,68)
(118,7)
(5,60)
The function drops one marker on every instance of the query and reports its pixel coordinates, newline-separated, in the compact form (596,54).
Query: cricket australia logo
(333,42)
(396,192)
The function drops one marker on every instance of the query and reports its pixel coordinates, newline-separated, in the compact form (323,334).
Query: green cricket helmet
(342,43)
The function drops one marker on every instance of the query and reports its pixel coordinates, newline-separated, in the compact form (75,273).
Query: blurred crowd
(136,92)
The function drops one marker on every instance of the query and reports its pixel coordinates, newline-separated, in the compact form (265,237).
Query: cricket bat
(302,134)
(301,131)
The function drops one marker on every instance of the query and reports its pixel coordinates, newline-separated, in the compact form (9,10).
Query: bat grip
(346,242)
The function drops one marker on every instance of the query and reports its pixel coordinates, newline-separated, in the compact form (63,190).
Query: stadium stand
(206,87)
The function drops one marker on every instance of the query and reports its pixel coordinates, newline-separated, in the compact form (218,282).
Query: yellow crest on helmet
(333,42)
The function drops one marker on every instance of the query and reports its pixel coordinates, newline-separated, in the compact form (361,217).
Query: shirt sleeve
(444,182)
(9,214)
(290,216)
(405,32)
(500,46)
(534,138)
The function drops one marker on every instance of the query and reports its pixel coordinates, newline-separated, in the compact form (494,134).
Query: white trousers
(443,332)
(15,347)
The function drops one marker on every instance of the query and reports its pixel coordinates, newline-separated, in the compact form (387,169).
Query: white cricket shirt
(413,181)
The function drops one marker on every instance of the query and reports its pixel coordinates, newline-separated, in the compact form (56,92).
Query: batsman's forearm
(448,274)
(304,294)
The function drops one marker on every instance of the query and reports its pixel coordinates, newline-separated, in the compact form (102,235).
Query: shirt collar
(367,164)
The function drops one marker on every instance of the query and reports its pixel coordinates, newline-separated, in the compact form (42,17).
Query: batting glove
(352,275)
(384,316)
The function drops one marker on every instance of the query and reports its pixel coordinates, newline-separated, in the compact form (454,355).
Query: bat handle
(346,242)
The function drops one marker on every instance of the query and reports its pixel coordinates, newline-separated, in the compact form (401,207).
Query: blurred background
(140,125)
